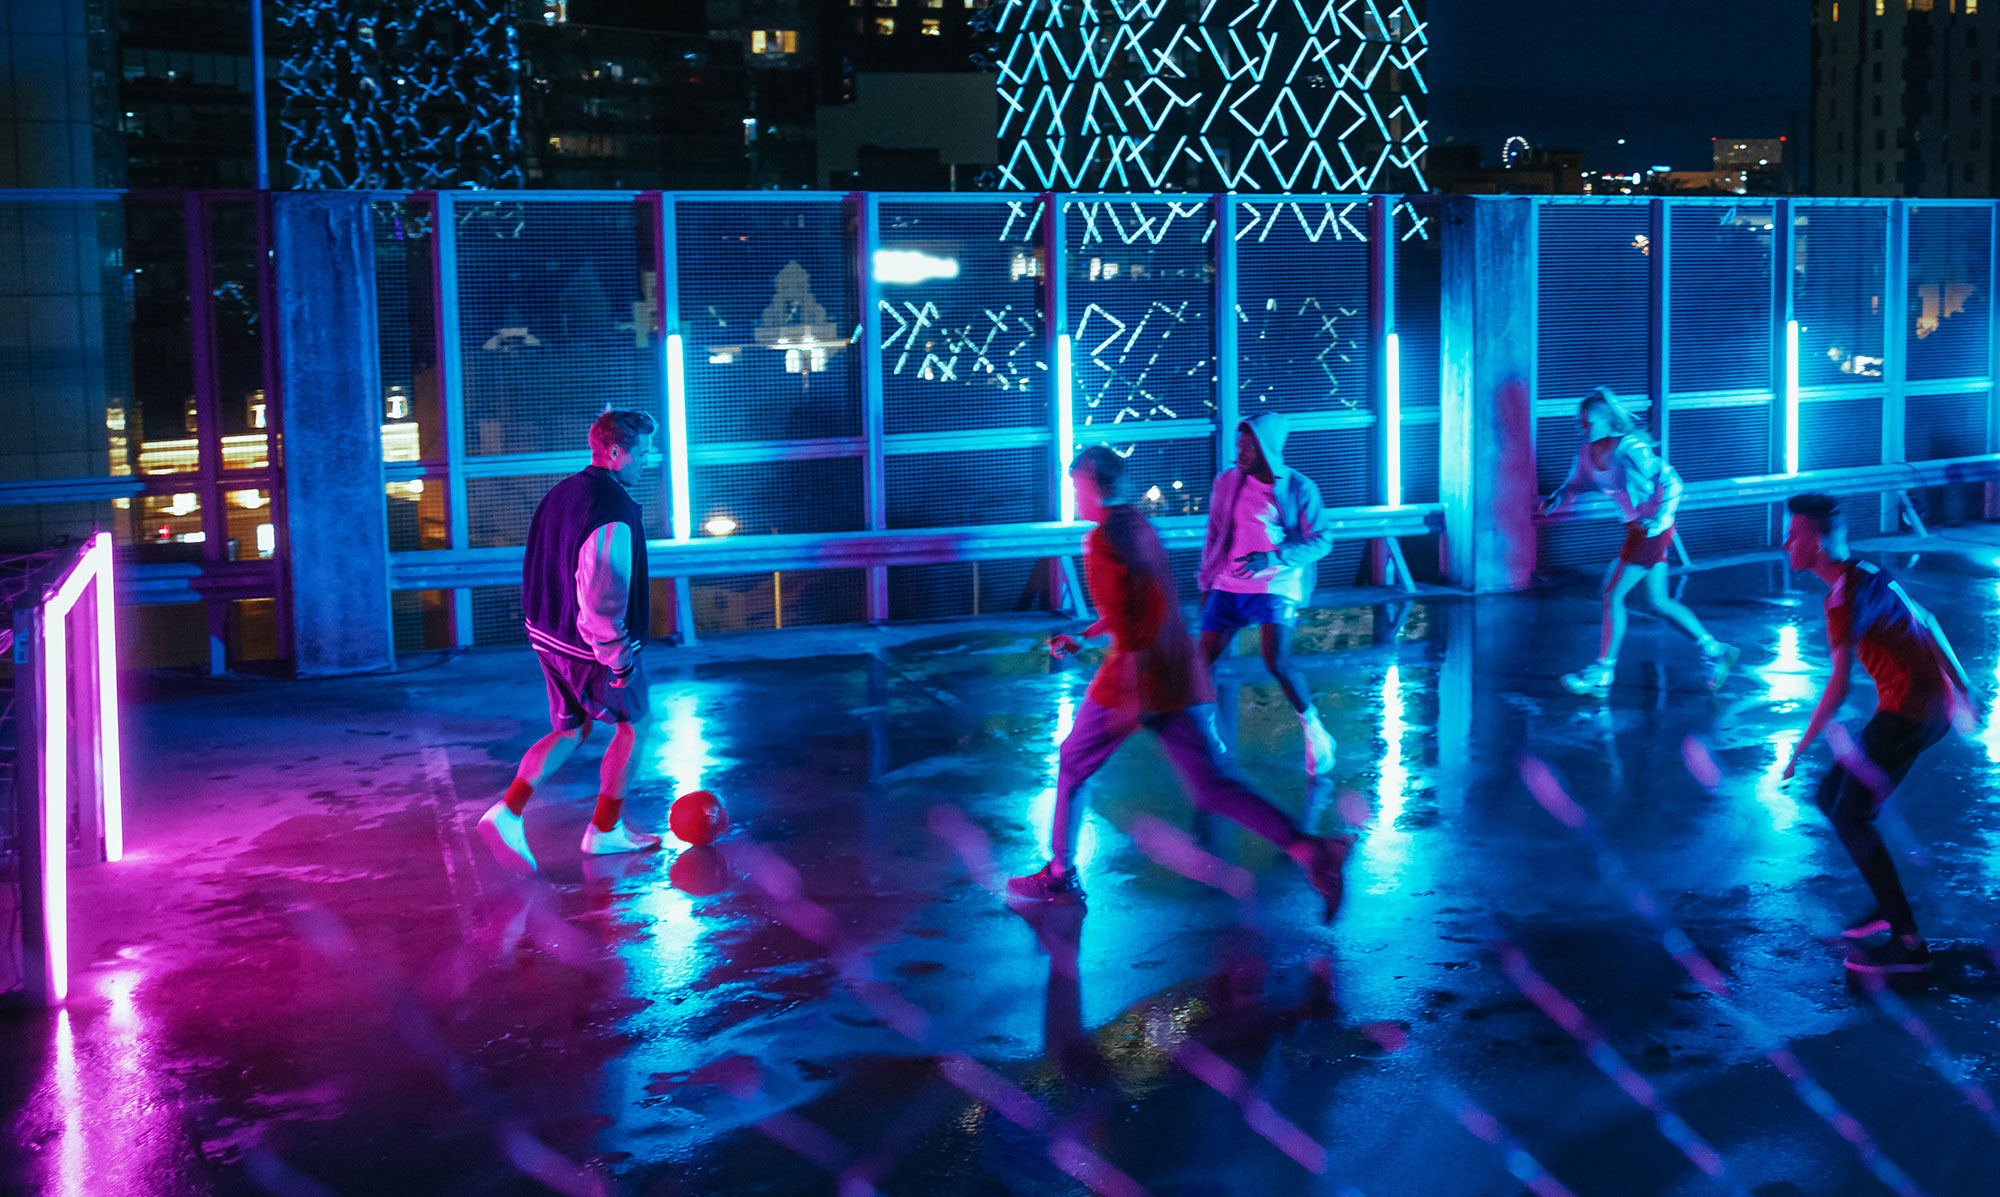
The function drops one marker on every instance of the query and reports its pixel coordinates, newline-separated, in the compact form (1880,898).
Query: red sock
(608,810)
(516,796)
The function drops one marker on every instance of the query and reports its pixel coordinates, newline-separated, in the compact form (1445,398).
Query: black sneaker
(1867,925)
(1046,885)
(1903,954)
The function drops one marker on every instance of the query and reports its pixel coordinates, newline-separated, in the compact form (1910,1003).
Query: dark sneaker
(1046,885)
(1903,954)
(1867,925)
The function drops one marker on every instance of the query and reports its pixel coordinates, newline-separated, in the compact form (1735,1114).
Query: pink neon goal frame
(90,580)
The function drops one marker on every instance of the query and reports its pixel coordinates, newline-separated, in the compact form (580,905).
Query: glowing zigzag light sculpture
(1253,95)
(397,94)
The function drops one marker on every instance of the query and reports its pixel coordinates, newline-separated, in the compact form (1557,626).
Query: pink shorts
(1641,549)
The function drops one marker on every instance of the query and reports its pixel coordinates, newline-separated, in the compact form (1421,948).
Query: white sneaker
(1319,743)
(1592,681)
(619,839)
(507,835)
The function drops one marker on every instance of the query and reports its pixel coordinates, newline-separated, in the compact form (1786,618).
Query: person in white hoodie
(1266,530)
(1619,460)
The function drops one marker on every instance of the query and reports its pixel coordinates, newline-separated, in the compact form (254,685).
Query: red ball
(698,817)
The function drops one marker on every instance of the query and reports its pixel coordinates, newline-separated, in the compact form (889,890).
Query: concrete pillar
(1486,443)
(331,390)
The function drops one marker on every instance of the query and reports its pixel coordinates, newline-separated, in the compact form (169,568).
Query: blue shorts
(1229,611)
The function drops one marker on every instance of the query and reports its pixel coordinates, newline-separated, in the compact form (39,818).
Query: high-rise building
(781,53)
(1326,95)
(184,95)
(1903,98)
(908,95)
(631,95)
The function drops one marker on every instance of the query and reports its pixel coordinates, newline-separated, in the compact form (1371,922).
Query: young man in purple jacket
(1266,531)
(586,598)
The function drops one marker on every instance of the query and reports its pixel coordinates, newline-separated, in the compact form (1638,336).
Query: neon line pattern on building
(1251,95)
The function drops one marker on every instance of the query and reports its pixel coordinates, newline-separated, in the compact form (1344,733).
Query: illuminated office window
(931,28)
(885,25)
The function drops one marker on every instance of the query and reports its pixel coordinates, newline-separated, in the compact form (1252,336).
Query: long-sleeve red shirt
(1153,665)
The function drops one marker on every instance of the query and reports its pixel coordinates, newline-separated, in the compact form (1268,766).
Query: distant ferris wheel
(1511,152)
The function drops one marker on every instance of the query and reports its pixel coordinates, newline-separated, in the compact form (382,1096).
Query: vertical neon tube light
(110,762)
(1392,420)
(1791,396)
(677,438)
(55,802)
(1065,426)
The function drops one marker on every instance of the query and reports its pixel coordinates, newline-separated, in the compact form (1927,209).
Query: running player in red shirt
(1152,678)
(1921,690)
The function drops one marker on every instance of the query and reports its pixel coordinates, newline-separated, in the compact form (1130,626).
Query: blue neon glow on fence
(677,439)
(1392,421)
(1791,397)
(1065,426)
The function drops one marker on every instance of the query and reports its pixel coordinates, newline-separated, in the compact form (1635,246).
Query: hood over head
(1271,428)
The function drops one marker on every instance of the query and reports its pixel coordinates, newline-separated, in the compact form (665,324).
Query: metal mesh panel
(406,332)
(821,495)
(1593,300)
(1346,565)
(1721,442)
(498,510)
(985,486)
(1937,426)
(1302,306)
(767,298)
(1840,432)
(1950,312)
(1185,563)
(1419,305)
(1585,547)
(1719,288)
(1180,471)
(1420,461)
(751,602)
(416,516)
(496,615)
(1837,277)
(555,320)
(422,619)
(1722,531)
(1335,458)
(967,588)
(966,351)
(1139,311)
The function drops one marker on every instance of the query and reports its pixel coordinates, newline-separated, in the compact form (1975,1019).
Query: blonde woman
(1618,459)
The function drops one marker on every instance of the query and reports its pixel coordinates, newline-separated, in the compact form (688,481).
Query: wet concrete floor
(309,977)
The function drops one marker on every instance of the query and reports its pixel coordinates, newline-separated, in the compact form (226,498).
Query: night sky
(1583,73)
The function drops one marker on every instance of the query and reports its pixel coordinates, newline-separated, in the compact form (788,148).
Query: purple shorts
(580,691)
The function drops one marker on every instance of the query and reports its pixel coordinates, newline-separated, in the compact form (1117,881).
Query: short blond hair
(620,427)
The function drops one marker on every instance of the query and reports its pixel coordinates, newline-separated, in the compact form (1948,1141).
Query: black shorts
(580,691)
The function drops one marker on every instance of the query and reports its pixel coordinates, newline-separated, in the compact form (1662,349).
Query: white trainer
(507,835)
(619,839)
(1319,743)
